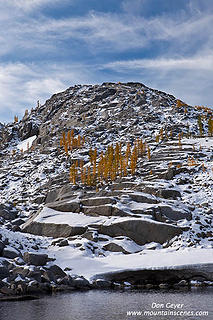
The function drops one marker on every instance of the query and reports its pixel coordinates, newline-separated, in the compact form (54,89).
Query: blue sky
(48,45)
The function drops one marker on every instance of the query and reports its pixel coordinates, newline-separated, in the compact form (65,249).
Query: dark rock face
(2,245)
(10,253)
(4,272)
(171,276)
(28,129)
(169,194)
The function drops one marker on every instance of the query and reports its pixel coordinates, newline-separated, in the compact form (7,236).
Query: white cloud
(192,63)
(125,32)
(108,32)
(189,79)
(31,4)
(23,84)
(186,42)
(133,6)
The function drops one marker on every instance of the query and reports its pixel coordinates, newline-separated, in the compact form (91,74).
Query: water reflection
(101,305)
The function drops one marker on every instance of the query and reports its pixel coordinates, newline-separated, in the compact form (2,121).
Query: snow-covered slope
(164,204)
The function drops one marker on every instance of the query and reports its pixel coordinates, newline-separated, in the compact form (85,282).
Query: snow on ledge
(26,144)
(89,266)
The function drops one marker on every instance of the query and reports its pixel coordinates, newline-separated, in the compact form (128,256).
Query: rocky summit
(105,183)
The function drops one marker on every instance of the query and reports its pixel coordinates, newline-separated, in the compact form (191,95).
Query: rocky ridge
(167,203)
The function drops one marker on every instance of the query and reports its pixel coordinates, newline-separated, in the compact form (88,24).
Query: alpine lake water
(113,305)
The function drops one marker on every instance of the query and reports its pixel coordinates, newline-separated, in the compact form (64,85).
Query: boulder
(28,129)
(101,284)
(114,247)
(91,235)
(36,259)
(52,229)
(63,243)
(10,253)
(20,271)
(169,194)
(6,213)
(141,231)
(59,194)
(80,283)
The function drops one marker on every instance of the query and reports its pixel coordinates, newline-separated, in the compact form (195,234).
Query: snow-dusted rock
(6,213)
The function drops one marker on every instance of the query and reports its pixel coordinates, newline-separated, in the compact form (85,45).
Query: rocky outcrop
(28,129)
(138,208)
(65,206)
(141,231)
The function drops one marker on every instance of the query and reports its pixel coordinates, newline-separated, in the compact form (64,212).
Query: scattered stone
(182,283)
(101,284)
(163,285)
